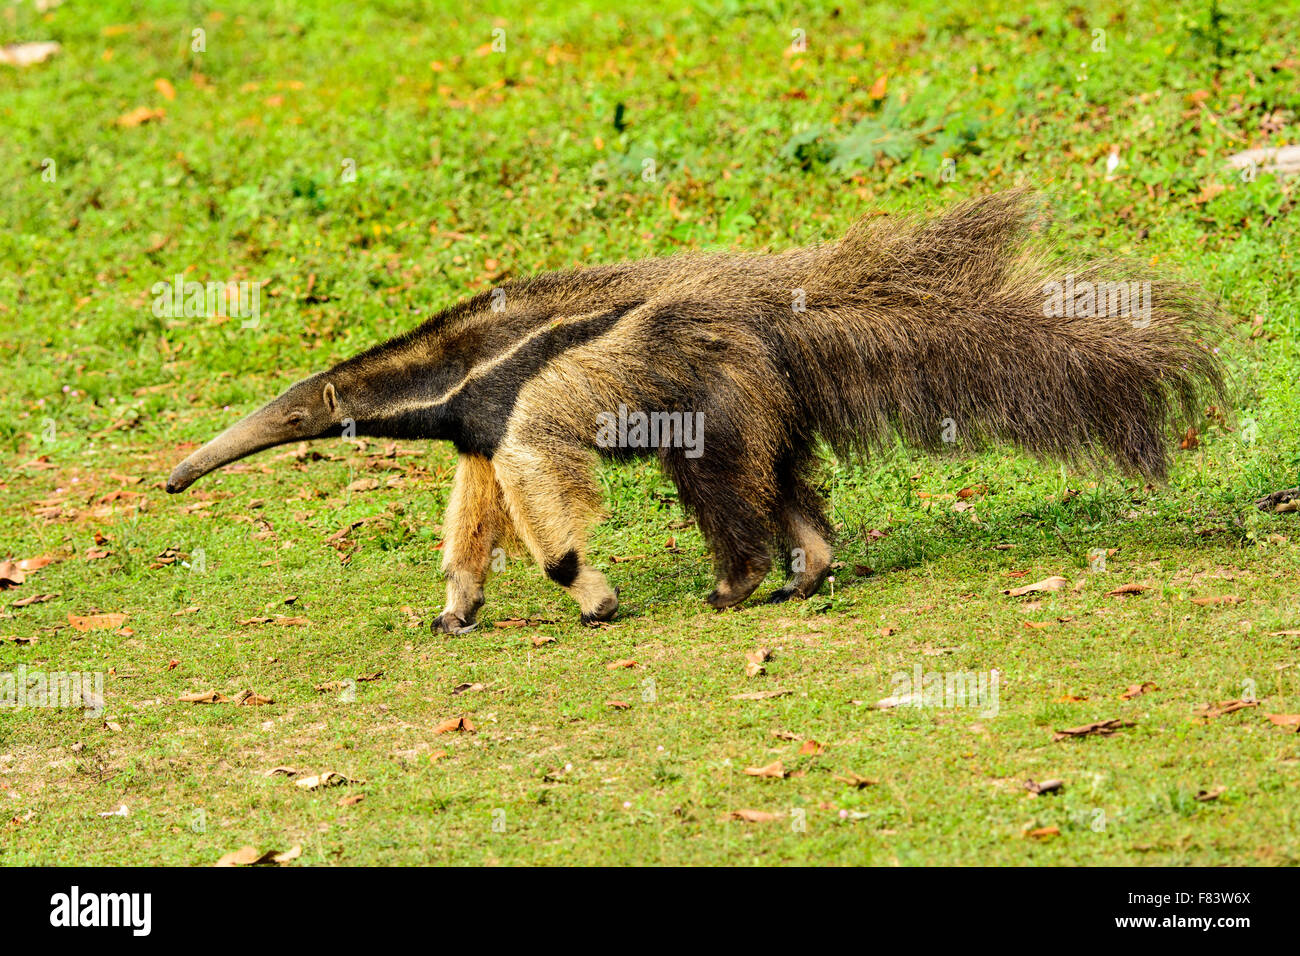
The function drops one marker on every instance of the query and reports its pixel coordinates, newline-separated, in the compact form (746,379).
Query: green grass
(471,164)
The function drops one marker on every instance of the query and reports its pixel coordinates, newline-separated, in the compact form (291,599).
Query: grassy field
(374,162)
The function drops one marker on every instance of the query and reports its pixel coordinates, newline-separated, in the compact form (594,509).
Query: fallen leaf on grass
(618,704)
(1223,707)
(773,771)
(251,856)
(855,780)
(1126,589)
(28,54)
(245,698)
(1217,599)
(463,688)
(520,622)
(454,723)
(1271,634)
(754,661)
(616,665)
(204,697)
(11,575)
(753,816)
(1290,721)
(320,781)
(437,755)
(96,622)
(1047,786)
(761,695)
(121,811)
(1044,833)
(1136,690)
(812,747)
(540,639)
(281,772)
(140,115)
(351,800)
(1099,728)
(1205,796)
(1054,583)
(33,599)
(363,484)
(18,641)
(785,735)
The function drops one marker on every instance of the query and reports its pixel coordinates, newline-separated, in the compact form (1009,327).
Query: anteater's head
(309,409)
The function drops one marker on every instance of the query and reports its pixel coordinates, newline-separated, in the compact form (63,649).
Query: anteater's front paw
(449,623)
(605,611)
(781,595)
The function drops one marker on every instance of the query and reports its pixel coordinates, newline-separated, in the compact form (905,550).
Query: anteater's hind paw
(605,611)
(449,623)
(781,595)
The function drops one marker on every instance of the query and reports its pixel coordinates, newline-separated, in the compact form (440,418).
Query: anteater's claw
(449,623)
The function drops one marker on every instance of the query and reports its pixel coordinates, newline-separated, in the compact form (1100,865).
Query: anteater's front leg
(552,498)
(475,521)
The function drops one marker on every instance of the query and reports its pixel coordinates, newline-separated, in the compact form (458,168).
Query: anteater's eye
(294,418)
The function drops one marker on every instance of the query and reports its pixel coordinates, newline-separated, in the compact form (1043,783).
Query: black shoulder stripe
(478,413)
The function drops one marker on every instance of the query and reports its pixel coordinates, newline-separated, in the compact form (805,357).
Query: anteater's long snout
(258,431)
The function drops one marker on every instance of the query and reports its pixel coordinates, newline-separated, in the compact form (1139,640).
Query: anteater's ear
(331,400)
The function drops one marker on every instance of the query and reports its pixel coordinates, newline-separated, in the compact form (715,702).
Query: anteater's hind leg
(804,528)
(721,489)
(552,499)
(476,519)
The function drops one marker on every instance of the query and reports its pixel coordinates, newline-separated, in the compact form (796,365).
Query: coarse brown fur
(935,330)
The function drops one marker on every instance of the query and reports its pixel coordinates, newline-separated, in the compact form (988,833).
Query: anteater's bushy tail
(965,328)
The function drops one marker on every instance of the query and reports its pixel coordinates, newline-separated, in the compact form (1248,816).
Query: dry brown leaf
(18,641)
(140,115)
(454,723)
(204,697)
(11,576)
(1126,589)
(1217,599)
(1205,796)
(878,88)
(761,695)
(28,54)
(320,781)
(1047,786)
(618,704)
(754,661)
(96,622)
(753,816)
(351,800)
(540,639)
(773,771)
(1223,707)
(1289,721)
(165,88)
(855,780)
(812,747)
(616,665)
(1099,728)
(1136,690)
(466,688)
(1044,833)
(34,599)
(1054,583)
